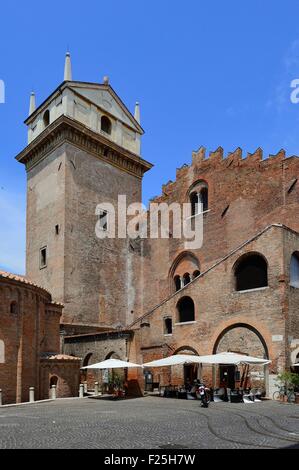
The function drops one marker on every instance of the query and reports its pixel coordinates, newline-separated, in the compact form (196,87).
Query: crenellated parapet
(217,160)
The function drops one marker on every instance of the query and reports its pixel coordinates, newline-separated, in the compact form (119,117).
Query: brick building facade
(142,299)
(29,343)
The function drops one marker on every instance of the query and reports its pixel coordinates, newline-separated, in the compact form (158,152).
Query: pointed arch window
(199,199)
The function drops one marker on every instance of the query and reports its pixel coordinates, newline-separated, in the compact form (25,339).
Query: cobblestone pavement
(148,423)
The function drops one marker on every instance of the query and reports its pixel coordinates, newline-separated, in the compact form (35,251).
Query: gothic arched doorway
(241,338)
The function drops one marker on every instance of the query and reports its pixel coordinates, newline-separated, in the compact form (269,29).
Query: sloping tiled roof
(62,357)
(22,279)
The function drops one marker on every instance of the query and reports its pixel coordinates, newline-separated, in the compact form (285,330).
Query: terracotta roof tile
(23,279)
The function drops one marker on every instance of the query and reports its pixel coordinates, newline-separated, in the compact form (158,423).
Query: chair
(236,396)
(182,394)
(248,397)
(218,395)
(257,395)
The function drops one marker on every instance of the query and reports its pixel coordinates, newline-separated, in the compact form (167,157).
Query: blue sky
(205,72)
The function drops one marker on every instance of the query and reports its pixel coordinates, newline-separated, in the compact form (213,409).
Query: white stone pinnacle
(68,68)
(32,106)
(137,112)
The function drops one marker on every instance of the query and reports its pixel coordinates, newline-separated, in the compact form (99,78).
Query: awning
(230,358)
(172,361)
(112,364)
(221,358)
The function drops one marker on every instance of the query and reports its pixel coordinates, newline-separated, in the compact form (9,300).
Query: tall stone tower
(83,151)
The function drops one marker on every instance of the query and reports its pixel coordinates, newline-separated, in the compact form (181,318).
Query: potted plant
(290,383)
(116,385)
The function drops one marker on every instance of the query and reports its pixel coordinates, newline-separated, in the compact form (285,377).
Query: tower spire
(68,68)
(32,106)
(137,112)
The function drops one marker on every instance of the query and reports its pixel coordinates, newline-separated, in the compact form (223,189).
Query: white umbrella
(172,361)
(296,364)
(230,358)
(221,358)
(112,364)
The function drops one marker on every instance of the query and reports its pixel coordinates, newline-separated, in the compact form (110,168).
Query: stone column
(31,394)
(214,373)
(53,392)
(96,389)
(266,379)
(81,391)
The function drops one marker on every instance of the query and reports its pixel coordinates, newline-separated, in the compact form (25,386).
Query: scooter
(204,395)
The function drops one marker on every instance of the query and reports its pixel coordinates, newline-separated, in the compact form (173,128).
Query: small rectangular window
(167,326)
(57,229)
(43,257)
(104,220)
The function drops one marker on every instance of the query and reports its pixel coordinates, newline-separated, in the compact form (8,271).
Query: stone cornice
(65,129)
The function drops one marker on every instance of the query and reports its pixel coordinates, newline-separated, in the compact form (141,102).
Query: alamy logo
(2,92)
(180,221)
(295,93)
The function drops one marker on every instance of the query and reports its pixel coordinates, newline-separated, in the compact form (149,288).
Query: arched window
(106,125)
(196,274)
(199,197)
(181,269)
(46,118)
(177,283)
(186,278)
(167,326)
(14,308)
(294,270)
(185,308)
(251,272)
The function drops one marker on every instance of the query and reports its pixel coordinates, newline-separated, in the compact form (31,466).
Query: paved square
(148,423)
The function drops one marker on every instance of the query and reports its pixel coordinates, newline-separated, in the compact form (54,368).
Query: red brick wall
(27,333)
(67,373)
(218,306)
(257,194)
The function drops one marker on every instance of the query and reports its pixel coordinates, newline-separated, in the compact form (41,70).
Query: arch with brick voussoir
(199,183)
(258,328)
(246,327)
(113,355)
(186,263)
(186,349)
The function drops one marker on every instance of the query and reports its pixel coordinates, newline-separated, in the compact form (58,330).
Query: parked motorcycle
(203,394)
